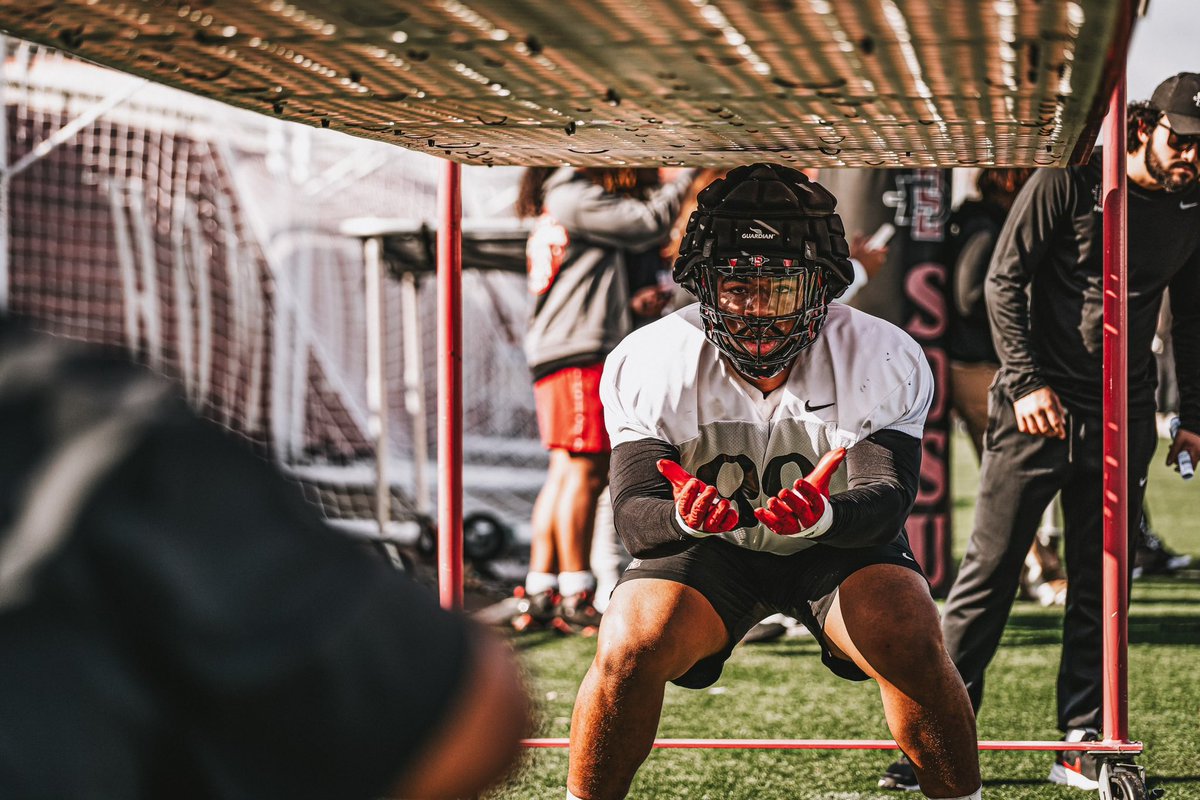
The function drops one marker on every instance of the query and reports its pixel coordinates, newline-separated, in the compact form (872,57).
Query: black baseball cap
(1179,97)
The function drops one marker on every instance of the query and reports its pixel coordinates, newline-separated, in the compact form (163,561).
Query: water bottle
(1184,459)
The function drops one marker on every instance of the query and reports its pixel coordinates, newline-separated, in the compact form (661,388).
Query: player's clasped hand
(698,504)
(796,511)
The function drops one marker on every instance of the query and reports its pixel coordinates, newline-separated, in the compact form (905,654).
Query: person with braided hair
(765,454)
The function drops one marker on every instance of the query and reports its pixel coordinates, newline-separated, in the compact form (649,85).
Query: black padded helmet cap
(766,209)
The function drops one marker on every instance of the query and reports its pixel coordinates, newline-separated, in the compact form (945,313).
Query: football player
(729,421)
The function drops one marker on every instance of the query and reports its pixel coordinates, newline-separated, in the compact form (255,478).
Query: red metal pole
(450,407)
(1116,461)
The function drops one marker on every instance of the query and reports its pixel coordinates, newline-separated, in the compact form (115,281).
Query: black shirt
(1052,245)
(175,621)
(974,228)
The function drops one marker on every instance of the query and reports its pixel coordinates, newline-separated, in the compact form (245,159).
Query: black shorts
(744,586)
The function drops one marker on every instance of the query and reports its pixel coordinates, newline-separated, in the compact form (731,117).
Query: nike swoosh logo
(1185,206)
(809,407)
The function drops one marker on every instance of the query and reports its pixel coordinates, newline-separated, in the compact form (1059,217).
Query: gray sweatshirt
(577,261)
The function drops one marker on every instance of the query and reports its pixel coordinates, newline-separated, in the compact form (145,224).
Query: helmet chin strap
(759,374)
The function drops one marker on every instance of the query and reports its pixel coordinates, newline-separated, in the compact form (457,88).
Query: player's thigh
(885,621)
(660,626)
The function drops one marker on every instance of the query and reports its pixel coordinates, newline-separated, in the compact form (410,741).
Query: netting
(207,242)
(867,83)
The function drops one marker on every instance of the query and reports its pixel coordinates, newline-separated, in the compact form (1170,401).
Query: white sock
(570,583)
(975,795)
(571,796)
(538,582)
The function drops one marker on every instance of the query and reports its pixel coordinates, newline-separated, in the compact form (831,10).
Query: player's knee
(913,651)
(627,650)
(918,656)
(623,660)
(926,647)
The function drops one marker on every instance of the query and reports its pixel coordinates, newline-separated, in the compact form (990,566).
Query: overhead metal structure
(816,83)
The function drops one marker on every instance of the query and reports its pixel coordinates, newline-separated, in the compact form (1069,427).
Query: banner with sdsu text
(921,203)
(911,291)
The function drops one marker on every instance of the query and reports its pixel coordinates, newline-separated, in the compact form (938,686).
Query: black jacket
(1045,290)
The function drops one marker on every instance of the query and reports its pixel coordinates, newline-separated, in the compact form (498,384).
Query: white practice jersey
(667,381)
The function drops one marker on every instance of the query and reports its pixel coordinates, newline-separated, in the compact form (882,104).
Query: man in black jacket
(1045,301)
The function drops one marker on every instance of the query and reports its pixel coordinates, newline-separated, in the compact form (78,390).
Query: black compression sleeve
(883,470)
(642,502)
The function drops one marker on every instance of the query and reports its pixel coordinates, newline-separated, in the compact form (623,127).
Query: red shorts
(569,413)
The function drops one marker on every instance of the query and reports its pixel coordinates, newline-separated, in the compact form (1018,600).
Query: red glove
(796,511)
(699,505)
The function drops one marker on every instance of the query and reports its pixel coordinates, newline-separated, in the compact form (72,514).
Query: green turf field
(781,690)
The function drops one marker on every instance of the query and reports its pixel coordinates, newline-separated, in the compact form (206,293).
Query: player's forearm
(649,529)
(883,470)
(868,516)
(643,507)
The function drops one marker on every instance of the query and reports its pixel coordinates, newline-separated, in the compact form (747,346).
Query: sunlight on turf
(781,690)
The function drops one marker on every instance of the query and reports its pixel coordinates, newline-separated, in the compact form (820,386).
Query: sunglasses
(1180,142)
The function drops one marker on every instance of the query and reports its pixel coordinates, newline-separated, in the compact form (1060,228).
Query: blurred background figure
(594,261)
(973,231)
(971,238)
(178,622)
(868,254)
(1153,556)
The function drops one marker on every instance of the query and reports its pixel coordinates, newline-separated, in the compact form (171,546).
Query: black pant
(1019,477)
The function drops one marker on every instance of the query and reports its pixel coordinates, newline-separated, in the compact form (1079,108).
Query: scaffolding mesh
(206,241)
(602,82)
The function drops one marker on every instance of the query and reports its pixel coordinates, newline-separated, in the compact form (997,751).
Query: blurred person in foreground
(177,622)
(1045,430)
(593,261)
(729,420)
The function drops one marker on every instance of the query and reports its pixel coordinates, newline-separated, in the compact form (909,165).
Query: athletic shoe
(773,627)
(501,612)
(1153,557)
(900,776)
(577,614)
(1042,575)
(1051,593)
(534,611)
(1077,768)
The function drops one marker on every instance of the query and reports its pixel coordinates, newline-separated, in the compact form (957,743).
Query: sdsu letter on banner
(910,292)
(922,207)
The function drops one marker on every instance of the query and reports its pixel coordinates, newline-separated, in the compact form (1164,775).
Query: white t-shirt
(667,381)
